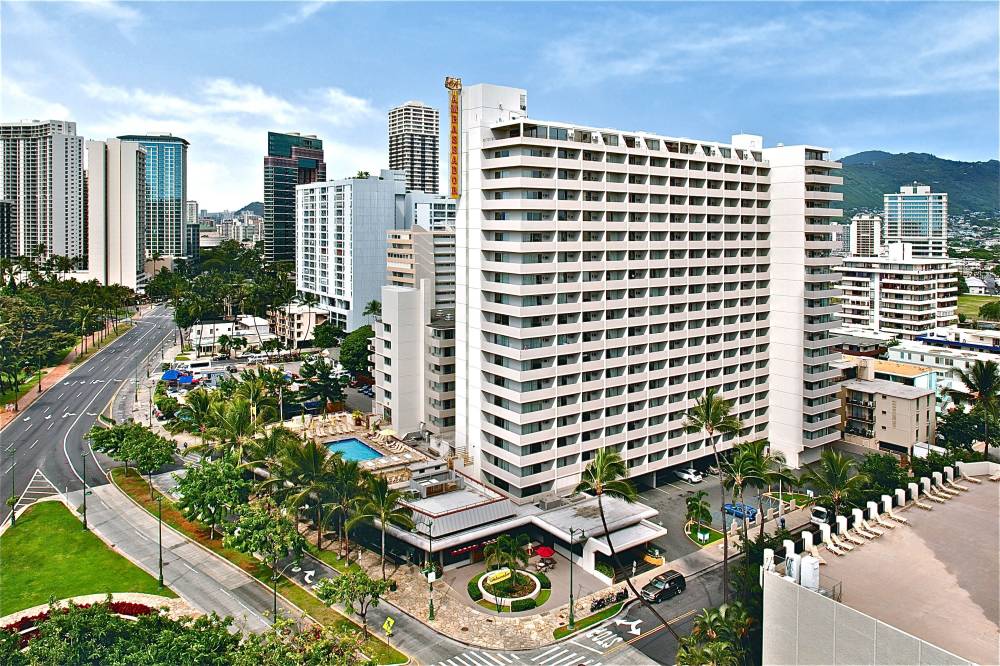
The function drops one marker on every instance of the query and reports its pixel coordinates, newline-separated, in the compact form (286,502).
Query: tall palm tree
(233,427)
(507,552)
(346,488)
(85,315)
(264,452)
(713,416)
(693,652)
(982,383)
(607,475)
(310,301)
(372,309)
(303,476)
(770,471)
(739,474)
(254,390)
(834,479)
(382,504)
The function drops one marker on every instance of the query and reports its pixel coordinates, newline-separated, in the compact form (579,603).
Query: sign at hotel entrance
(498,577)
(454,87)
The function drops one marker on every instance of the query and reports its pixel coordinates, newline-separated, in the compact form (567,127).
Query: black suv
(664,586)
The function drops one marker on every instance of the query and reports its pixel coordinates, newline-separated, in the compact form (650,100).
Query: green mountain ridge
(971,186)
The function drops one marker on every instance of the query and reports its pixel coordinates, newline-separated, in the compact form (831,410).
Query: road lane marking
(33,444)
(558,655)
(585,647)
(545,653)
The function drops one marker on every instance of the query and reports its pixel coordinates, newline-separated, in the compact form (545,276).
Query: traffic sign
(388,625)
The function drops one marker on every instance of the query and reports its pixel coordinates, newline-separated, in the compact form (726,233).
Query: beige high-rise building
(417,254)
(866,235)
(116,201)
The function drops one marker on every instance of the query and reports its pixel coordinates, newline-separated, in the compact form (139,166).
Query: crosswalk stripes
(555,656)
(560,656)
(481,658)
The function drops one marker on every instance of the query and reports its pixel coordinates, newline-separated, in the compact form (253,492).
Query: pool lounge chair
(835,550)
(853,538)
(862,532)
(945,492)
(971,479)
(951,485)
(932,496)
(814,551)
(871,528)
(843,544)
(925,507)
(880,519)
(902,520)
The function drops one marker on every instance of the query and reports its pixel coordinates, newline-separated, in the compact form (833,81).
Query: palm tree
(713,415)
(302,476)
(382,504)
(225,343)
(834,479)
(698,511)
(770,471)
(607,475)
(155,256)
(85,315)
(233,427)
(265,451)
(346,488)
(693,652)
(253,389)
(310,301)
(982,383)
(728,625)
(737,475)
(200,411)
(372,309)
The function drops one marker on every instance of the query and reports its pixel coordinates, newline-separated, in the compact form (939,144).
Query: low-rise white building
(296,323)
(255,330)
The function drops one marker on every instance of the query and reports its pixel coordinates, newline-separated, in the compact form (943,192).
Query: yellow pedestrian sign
(387,625)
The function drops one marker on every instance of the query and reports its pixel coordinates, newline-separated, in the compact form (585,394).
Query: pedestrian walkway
(37,489)
(474,658)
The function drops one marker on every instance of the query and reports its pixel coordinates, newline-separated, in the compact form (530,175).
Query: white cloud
(227,122)
(125,17)
(302,13)
(20,103)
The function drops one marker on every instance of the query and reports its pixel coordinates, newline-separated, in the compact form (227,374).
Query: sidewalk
(203,579)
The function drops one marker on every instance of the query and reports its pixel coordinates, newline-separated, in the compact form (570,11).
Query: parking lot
(669,497)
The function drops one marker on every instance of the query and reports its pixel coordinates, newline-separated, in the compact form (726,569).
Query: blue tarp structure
(170,375)
(185,379)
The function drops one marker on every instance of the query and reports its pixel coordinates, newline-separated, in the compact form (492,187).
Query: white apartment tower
(42,175)
(116,201)
(340,238)
(917,216)
(866,235)
(899,293)
(414,148)
(605,280)
(804,386)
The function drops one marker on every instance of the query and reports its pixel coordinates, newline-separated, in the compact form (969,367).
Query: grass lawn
(692,533)
(30,383)
(137,488)
(49,554)
(969,305)
(331,558)
(585,622)
(801,499)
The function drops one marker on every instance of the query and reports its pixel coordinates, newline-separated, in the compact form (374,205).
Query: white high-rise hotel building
(606,279)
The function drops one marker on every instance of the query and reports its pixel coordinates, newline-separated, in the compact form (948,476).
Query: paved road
(43,446)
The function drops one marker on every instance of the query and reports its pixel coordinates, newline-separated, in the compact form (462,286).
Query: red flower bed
(29,622)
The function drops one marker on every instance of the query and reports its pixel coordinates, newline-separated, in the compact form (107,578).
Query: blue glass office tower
(166,192)
(292,159)
(917,216)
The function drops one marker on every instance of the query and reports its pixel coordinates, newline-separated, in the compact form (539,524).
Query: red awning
(545,551)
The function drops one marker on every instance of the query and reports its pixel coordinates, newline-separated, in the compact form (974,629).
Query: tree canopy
(354,353)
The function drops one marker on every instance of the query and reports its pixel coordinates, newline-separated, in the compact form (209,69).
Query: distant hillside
(255,208)
(973,186)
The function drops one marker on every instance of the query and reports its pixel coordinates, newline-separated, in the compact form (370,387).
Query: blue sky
(897,76)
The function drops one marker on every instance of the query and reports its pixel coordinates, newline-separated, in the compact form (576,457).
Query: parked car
(740,510)
(664,586)
(689,474)
(819,516)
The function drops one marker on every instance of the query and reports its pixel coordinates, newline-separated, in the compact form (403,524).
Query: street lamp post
(431,571)
(572,531)
(85,454)
(38,360)
(13,497)
(159,521)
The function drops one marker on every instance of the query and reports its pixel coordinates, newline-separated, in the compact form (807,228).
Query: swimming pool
(353,449)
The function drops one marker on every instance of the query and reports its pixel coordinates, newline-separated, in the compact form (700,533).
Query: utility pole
(13,498)
(38,360)
(572,531)
(85,454)
(431,570)
(159,520)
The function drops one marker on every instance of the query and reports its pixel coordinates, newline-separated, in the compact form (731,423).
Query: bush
(521,605)
(605,569)
(473,588)
(544,580)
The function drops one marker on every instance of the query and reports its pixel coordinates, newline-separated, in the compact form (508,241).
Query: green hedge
(473,588)
(521,605)
(605,569)
(544,580)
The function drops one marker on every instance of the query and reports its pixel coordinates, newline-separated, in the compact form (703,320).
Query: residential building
(842,235)
(804,387)
(430,211)
(296,323)
(191,213)
(917,216)
(255,331)
(983,339)
(341,231)
(859,341)
(604,280)
(166,193)
(414,357)
(116,212)
(417,254)
(8,231)
(192,242)
(883,415)
(292,159)
(944,361)
(414,145)
(976,286)
(41,174)
(866,236)
(898,292)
